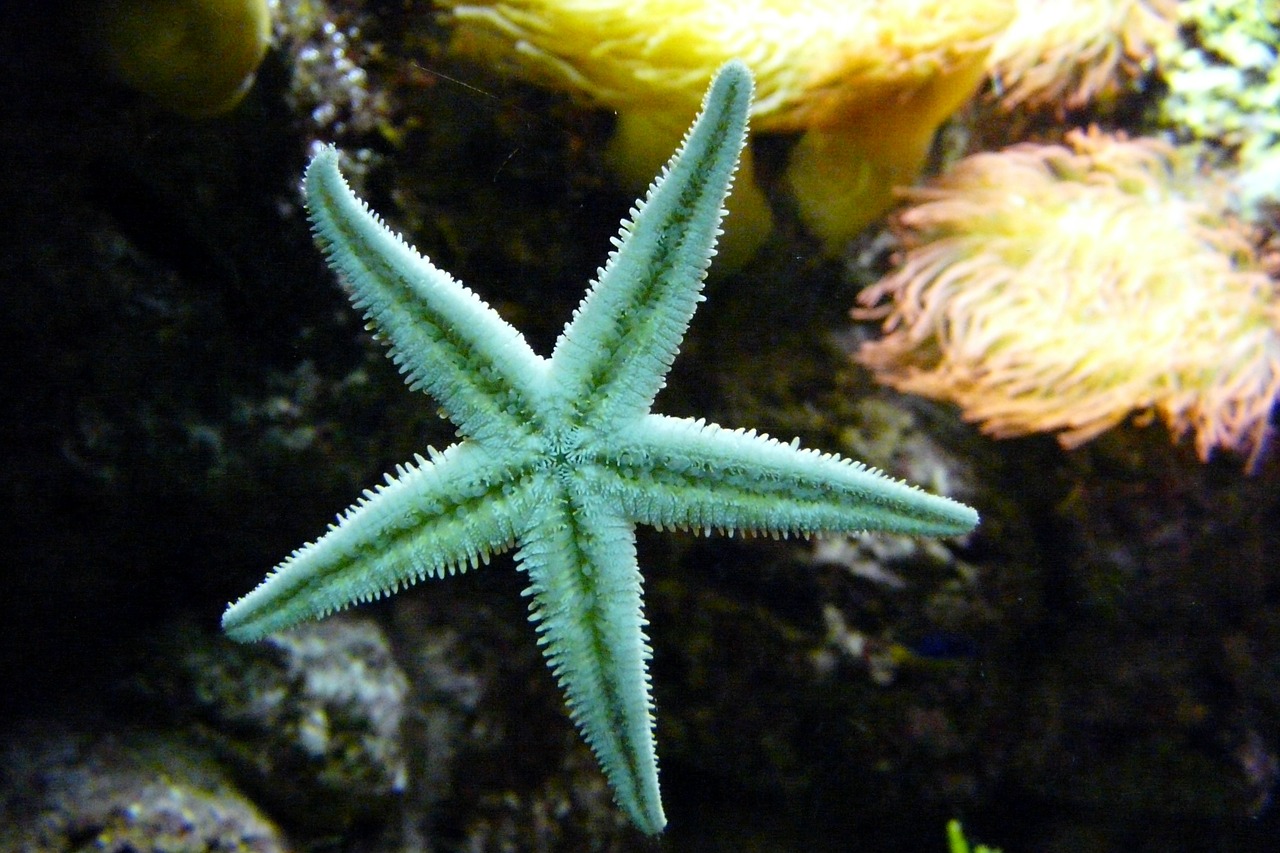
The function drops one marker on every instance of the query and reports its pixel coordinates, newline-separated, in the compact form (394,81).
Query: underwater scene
(687,425)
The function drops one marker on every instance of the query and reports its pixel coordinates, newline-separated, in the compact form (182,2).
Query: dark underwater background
(188,396)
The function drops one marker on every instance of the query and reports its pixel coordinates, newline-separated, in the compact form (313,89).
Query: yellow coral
(867,81)
(1054,288)
(194,57)
(1065,53)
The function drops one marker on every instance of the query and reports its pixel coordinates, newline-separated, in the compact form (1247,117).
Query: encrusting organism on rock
(1060,288)
(1222,87)
(865,83)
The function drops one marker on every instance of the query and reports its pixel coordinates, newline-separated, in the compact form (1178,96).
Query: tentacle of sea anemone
(1065,54)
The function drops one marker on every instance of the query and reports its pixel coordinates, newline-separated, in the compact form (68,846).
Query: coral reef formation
(1056,288)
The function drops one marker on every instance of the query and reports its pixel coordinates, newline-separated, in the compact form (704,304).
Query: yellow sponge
(195,57)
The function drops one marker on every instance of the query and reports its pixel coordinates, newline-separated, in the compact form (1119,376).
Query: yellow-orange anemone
(1064,53)
(867,82)
(1056,288)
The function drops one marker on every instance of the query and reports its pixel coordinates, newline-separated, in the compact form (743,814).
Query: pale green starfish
(562,456)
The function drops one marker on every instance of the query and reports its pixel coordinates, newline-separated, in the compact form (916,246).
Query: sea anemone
(866,82)
(196,58)
(1062,287)
(1065,54)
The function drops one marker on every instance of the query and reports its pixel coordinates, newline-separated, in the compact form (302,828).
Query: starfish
(561,457)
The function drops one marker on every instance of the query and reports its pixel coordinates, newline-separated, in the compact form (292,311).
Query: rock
(64,791)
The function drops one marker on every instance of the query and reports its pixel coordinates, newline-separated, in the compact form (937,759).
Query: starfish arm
(443,337)
(586,600)
(675,472)
(612,358)
(432,518)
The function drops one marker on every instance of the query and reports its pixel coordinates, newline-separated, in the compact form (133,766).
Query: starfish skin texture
(561,457)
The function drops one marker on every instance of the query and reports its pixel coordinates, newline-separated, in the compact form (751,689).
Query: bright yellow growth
(867,81)
(1052,288)
(1064,53)
(195,57)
